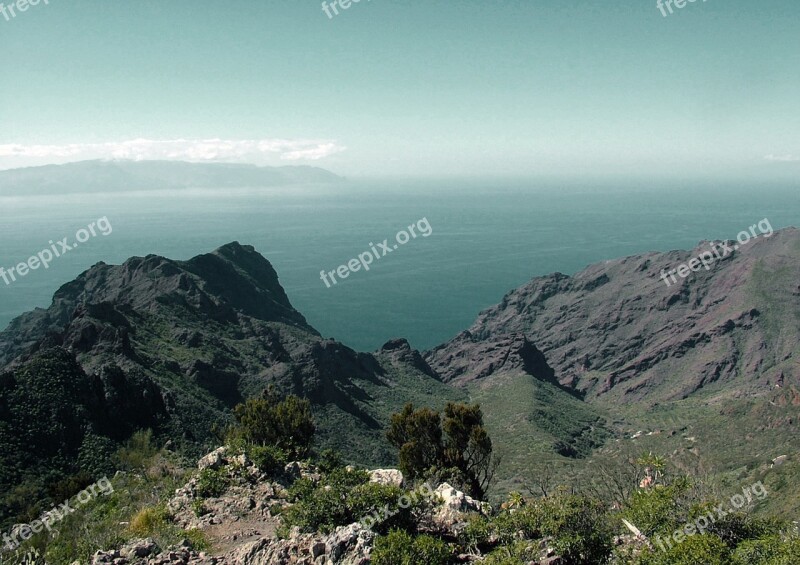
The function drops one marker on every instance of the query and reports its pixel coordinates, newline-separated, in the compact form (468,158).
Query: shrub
(738,526)
(197,539)
(286,424)
(519,553)
(577,525)
(476,533)
(661,509)
(417,434)
(323,506)
(329,460)
(95,456)
(137,451)
(68,487)
(701,549)
(400,548)
(199,507)
(269,459)
(343,497)
(770,550)
(212,482)
(149,522)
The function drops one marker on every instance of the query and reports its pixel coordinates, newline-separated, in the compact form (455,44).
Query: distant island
(126,175)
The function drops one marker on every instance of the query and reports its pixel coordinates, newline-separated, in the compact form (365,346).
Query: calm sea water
(488,237)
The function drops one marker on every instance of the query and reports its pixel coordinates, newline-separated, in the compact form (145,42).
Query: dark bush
(401,548)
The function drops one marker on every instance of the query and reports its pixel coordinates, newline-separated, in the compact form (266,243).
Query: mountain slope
(705,371)
(212,331)
(616,331)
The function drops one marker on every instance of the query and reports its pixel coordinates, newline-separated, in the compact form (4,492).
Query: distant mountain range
(125,175)
(563,366)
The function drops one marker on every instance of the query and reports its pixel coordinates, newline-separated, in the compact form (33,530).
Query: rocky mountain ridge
(204,334)
(616,331)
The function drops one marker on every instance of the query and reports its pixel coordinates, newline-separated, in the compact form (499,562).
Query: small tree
(418,436)
(269,421)
(468,447)
(460,444)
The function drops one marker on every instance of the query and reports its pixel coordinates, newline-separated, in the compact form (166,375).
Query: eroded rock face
(400,353)
(469,357)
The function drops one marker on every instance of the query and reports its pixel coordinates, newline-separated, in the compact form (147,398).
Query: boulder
(213,460)
(138,548)
(454,505)
(391,477)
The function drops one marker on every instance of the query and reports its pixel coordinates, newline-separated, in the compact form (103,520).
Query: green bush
(268,458)
(770,550)
(519,553)
(212,483)
(137,452)
(700,549)
(343,497)
(95,456)
(199,507)
(737,527)
(661,509)
(285,424)
(400,548)
(329,460)
(458,444)
(577,525)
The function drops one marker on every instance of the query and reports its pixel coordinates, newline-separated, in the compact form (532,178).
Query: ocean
(488,237)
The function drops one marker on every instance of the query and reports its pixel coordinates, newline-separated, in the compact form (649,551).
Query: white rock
(213,460)
(391,477)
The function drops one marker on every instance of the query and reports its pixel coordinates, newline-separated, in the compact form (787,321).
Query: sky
(396,87)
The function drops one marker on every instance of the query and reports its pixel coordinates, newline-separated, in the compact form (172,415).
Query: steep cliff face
(213,288)
(616,330)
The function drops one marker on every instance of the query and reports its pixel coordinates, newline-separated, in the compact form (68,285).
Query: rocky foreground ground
(242,523)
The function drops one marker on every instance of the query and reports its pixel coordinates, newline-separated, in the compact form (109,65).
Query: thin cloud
(782,158)
(202,150)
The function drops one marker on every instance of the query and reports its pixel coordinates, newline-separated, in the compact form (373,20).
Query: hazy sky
(402,87)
